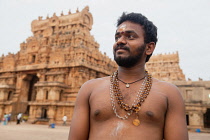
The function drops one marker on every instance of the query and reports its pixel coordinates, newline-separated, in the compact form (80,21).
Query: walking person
(64,119)
(19,118)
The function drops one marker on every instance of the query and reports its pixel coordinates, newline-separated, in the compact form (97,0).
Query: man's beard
(129,61)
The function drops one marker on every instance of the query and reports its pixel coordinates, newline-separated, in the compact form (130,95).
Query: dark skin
(162,114)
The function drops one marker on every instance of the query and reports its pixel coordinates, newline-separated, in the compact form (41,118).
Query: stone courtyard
(26,131)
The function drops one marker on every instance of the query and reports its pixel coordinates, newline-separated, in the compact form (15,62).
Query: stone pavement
(26,131)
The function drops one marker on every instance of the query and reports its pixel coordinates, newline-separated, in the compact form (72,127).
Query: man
(9,117)
(5,119)
(64,119)
(19,118)
(130,105)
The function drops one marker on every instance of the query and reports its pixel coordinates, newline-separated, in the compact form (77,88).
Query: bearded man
(130,104)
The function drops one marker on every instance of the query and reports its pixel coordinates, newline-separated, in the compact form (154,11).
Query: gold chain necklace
(136,106)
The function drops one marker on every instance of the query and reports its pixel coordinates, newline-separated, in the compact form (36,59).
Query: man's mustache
(122,47)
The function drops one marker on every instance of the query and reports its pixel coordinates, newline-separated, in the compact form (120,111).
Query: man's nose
(121,40)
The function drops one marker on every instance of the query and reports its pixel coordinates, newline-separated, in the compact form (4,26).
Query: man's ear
(150,47)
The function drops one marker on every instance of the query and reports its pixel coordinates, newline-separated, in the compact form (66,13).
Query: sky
(183,26)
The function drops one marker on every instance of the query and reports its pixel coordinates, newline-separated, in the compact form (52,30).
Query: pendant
(136,122)
(127,85)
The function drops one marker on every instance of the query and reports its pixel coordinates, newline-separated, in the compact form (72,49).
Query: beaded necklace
(116,94)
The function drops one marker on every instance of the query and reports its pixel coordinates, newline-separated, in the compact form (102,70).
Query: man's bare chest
(102,108)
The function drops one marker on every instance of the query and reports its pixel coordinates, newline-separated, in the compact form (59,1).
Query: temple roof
(84,17)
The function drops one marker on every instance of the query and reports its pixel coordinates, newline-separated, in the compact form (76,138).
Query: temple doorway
(32,90)
(44,113)
(28,93)
(207,119)
(187,119)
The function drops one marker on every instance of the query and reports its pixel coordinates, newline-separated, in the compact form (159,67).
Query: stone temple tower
(43,78)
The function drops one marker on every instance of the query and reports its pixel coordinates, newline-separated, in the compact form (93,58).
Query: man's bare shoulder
(169,90)
(88,87)
(165,87)
(91,84)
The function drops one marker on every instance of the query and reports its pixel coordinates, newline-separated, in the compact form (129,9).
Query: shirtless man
(130,104)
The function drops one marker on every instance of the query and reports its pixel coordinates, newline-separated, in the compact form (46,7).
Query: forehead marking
(122,28)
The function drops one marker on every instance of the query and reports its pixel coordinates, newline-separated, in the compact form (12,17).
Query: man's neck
(131,74)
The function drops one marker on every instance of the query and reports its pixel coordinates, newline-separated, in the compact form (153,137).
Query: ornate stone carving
(166,67)
(47,72)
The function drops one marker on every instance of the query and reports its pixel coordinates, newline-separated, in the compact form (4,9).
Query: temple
(42,79)
(165,67)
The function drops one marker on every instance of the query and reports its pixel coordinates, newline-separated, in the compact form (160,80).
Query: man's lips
(121,51)
(119,48)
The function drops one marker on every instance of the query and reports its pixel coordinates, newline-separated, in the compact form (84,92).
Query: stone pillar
(54,94)
(51,113)
(32,114)
(2,95)
(1,111)
(40,94)
(71,112)
(4,92)
(22,87)
(196,119)
(38,112)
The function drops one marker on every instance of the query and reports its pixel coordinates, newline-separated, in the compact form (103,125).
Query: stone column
(40,94)
(1,111)
(196,119)
(32,114)
(38,112)
(2,95)
(51,113)
(54,94)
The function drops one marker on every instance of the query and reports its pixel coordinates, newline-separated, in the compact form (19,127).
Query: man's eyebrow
(128,32)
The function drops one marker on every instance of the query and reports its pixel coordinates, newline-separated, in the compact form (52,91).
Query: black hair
(150,30)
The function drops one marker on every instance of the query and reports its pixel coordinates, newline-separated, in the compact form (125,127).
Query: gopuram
(196,94)
(42,80)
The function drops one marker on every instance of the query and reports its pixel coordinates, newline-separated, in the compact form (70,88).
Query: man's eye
(130,37)
(117,37)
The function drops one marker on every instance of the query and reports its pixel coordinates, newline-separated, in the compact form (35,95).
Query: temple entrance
(207,119)
(32,91)
(28,93)
(44,113)
(187,119)
(27,110)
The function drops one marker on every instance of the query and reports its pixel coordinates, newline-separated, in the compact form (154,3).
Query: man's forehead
(127,26)
(130,27)
(122,27)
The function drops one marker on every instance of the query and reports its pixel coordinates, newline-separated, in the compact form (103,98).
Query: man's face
(129,47)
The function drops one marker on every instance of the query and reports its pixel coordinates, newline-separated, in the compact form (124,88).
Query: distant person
(19,118)
(64,119)
(5,119)
(9,118)
(130,104)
